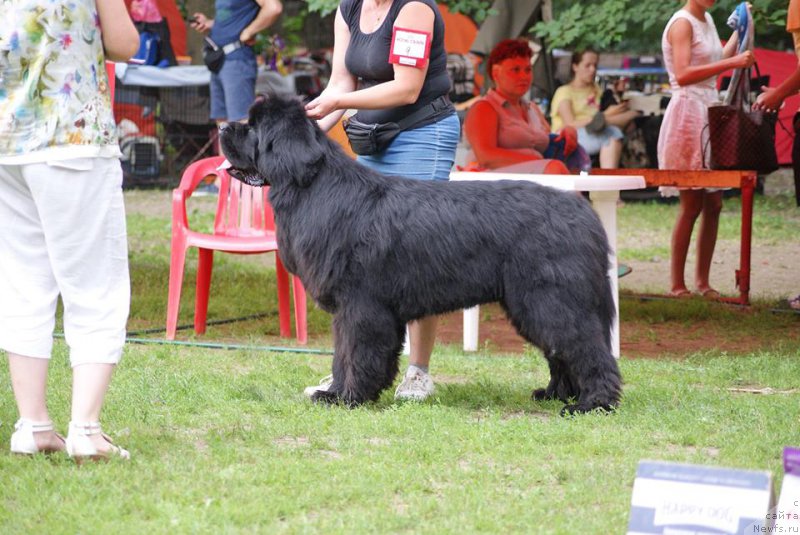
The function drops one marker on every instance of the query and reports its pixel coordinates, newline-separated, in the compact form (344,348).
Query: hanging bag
(741,138)
(214,55)
(149,49)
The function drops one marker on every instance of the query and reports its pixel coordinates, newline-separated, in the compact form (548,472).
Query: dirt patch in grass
(773,271)
(678,340)
(638,339)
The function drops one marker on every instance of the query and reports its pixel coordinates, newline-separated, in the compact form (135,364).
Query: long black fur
(378,251)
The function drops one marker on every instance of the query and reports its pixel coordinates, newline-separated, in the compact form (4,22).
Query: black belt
(431,109)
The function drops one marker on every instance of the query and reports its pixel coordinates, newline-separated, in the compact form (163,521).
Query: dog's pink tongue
(224,165)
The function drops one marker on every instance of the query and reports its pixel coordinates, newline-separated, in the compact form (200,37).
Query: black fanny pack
(372,138)
(214,55)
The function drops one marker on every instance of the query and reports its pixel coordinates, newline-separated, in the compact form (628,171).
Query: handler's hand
(769,101)
(202,23)
(322,105)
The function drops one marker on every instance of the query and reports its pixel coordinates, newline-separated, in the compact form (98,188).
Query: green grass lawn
(646,227)
(223,441)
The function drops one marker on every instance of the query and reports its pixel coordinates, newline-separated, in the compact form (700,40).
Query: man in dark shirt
(234,28)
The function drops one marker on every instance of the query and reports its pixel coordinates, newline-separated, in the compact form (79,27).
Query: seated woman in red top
(505,128)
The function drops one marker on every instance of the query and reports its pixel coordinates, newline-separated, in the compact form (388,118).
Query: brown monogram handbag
(742,138)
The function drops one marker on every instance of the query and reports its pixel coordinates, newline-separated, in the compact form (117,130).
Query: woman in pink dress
(694,56)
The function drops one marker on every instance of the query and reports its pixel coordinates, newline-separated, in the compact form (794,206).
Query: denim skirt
(424,153)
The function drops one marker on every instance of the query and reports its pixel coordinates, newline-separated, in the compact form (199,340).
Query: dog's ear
(290,146)
(315,157)
(302,159)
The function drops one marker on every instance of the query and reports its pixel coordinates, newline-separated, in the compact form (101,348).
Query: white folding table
(604,194)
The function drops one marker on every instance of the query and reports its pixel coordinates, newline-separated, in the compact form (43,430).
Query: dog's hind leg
(367,340)
(597,376)
(557,318)
(561,385)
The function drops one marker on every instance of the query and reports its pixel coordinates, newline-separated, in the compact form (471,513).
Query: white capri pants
(62,231)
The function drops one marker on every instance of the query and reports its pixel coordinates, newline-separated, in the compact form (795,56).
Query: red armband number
(410,47)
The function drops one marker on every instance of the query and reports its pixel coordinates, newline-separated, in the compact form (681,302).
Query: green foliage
(182,9)
(629,25)
(478,10)
(295,24)
(323,7)
(636,25)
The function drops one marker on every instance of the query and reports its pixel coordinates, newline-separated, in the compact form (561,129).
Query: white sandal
(80,446)
(23,441)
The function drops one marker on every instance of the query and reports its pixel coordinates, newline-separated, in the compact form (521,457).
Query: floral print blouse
(53,84)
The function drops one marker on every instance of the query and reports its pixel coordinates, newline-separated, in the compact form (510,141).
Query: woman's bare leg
(89,386)
(610,154)
(707,239)
(422,335)
(29,383)
(691,204)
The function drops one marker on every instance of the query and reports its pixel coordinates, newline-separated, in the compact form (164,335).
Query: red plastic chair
(111,71)
(244,224)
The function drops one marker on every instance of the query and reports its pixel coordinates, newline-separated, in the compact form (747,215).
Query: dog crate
(141,157)
(188,134)
(163,126)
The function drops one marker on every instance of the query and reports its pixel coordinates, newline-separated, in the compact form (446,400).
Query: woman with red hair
(506,128)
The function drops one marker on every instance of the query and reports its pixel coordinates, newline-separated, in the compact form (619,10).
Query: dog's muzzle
(248,176)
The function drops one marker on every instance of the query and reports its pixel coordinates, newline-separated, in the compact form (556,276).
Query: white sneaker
(323,386)
(416,386)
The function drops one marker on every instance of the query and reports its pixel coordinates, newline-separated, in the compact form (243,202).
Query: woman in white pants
(62,219)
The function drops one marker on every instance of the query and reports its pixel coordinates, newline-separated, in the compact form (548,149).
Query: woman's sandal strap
(36,427)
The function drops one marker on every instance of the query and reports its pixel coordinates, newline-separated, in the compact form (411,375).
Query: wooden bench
(743,180)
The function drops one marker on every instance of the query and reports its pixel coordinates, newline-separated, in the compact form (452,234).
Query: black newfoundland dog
(378,251)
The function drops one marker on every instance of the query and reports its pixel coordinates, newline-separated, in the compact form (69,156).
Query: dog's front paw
(580,408)
(542,394)
(330,397)
(561,392)
(326,396)
(566,390)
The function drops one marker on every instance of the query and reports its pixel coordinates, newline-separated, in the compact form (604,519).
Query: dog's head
(278,144)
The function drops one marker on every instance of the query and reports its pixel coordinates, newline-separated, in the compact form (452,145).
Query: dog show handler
(389,63)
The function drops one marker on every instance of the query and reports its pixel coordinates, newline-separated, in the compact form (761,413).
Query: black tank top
(367,58)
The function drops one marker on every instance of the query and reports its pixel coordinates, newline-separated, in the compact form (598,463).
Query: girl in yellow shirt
(577,104)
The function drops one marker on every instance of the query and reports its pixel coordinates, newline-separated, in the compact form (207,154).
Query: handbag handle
(704,146)
(740,93)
